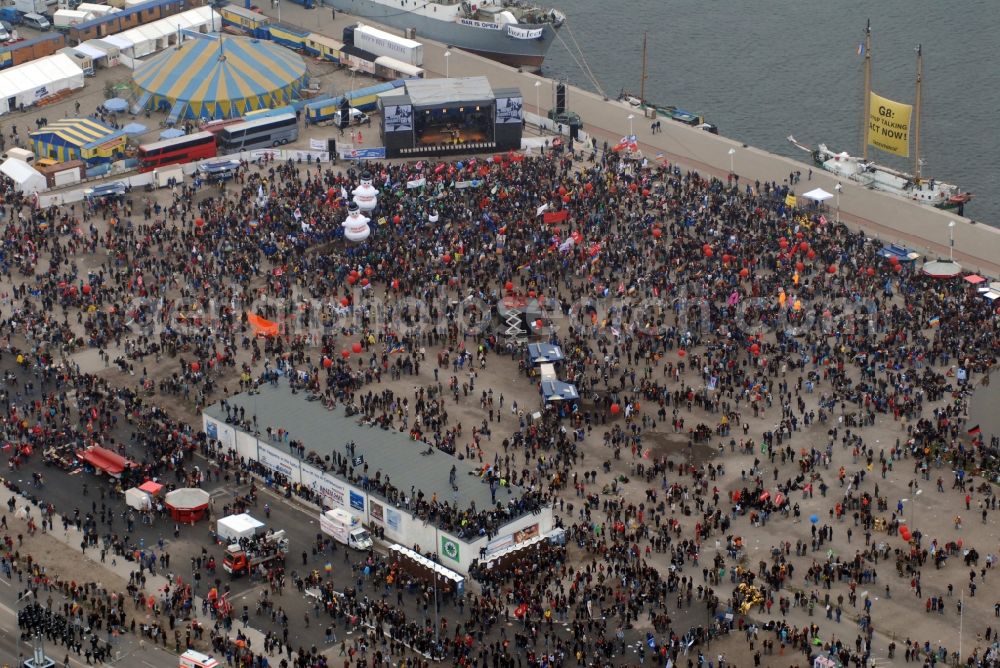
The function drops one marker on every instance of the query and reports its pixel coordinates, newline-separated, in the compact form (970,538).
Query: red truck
(250,553)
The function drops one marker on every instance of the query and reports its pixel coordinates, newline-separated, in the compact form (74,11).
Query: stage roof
(442,92)
(388,451)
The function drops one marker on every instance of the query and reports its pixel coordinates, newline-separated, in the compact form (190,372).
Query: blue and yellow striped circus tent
(79,139)
(219,78)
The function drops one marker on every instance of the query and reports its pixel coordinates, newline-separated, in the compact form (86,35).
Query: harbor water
(762,72)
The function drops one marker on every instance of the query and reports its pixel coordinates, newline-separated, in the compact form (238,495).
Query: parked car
(37,21)
(6,31)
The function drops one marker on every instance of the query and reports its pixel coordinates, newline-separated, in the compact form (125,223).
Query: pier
(890,218)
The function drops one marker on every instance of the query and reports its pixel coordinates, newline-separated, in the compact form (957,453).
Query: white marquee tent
(25,177)
(152,37)
(28,83)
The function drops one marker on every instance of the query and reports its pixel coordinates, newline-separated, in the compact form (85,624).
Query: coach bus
(260,133)
(188,148)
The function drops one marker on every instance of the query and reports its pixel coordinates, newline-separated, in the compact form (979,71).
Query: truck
(64,19)
(357,117)
(193,659)
(382,43)
(345,528)
(31,6)
(11,15)
(249,553)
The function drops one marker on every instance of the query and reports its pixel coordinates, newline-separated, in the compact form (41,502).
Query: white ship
(878,177)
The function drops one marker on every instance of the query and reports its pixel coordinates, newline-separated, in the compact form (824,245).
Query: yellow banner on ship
(889,125)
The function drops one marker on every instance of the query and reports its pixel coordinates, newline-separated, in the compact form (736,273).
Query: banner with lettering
(889,125)
(524,33)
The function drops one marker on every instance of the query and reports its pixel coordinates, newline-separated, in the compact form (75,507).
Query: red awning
(105,460)
(151,487)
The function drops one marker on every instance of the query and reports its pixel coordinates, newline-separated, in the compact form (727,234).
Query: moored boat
(511,32)
(887,132)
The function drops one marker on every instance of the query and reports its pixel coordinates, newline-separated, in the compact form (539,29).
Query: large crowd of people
(684,304)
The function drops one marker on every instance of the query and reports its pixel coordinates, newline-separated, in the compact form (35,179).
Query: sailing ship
(513,32)
(878,177)
(668,111)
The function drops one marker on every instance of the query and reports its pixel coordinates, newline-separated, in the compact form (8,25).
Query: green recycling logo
(449,547)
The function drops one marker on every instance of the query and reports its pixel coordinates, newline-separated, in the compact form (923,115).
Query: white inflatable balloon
(366,195)
(356,225)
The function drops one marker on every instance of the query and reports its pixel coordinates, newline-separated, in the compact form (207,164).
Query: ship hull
(493,44)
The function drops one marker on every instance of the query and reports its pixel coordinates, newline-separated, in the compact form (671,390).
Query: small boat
(669,111)
(930,192)
(514,32)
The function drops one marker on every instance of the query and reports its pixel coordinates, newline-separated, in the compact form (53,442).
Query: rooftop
(442,92)
(391,452)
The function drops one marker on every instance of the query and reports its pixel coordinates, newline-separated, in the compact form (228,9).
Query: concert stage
(435,117)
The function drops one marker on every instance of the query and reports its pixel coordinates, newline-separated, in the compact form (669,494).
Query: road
(65,491)
(127,647)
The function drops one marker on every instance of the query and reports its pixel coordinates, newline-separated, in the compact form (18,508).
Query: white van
(36,21)
(358,117)
(22,154)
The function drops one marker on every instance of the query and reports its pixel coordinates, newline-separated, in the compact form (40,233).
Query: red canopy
(151,487)
(106,460)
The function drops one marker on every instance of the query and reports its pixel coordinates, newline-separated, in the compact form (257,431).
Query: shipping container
(64,18)
(382,43)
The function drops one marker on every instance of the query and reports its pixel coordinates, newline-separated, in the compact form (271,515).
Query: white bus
(261,133)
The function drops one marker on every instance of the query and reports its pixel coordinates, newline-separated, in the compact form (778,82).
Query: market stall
(187,504)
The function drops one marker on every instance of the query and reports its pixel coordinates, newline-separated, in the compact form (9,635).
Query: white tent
(138,499)
(25,177)
(118,41)
(151,37)
(35,80)
(239,526)
(818,195)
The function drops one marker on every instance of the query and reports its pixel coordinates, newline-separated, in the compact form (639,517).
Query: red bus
(188,148)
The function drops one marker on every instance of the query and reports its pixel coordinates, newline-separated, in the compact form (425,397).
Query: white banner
(281,462)
(333,491)
(524,33)
(321,156)
(416,183)
(480,24)
(317,144)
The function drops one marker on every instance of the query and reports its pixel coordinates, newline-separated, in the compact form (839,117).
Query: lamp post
(951,240)
(961,624)
(732,161)
(538,105)
(447,70)
(630,117)
(838,188)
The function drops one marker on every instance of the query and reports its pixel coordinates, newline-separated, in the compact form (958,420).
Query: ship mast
(868,90)
(642,82)
(916,117)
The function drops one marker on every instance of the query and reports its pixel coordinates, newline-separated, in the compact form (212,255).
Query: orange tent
(262,327)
